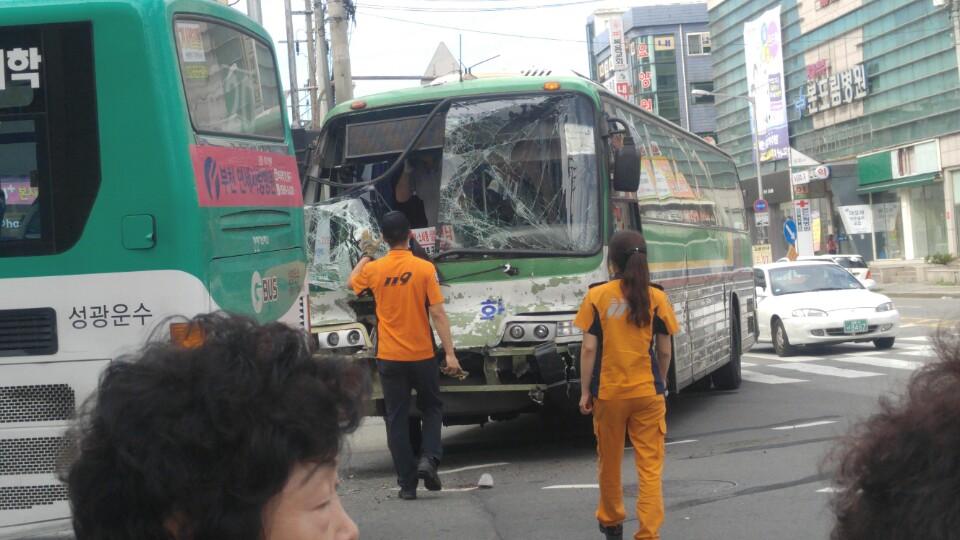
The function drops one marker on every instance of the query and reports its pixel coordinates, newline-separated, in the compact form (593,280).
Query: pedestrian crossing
(844,361)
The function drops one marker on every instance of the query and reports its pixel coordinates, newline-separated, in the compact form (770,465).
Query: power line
(472,30)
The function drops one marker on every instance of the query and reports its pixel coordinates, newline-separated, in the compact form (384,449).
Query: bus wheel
(781,343)
(728,376)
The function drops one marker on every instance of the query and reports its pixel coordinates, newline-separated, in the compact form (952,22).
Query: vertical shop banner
(764,62)
(617,48)
(857,218)
(804,220)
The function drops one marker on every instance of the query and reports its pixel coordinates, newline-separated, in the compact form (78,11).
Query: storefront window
(888,225)
(927,212)
(956,201)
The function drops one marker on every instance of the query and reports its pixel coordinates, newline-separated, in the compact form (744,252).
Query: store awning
(907,181)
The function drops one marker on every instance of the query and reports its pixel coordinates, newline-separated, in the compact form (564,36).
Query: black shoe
(408,494)
(614,532)
(427,470)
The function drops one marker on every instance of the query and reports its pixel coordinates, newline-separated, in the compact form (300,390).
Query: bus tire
(781,342)
(728,376)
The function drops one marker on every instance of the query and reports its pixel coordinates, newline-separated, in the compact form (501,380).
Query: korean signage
(427,238)
(764,62)
(20,64)
(857,219)
(825,93)
(804,177)
(762,254)
(804,221)
(240,177)
(617,49)
(646,104)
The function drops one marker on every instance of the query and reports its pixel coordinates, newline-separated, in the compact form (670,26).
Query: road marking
(914,338)
(924,353)
(830,489)
(574,486)
(891,363)
(473,468)
(908,325)
(747,364)
(808,424)
(818,369)
(763,378)
(685,441)
(445,490)
(766,356)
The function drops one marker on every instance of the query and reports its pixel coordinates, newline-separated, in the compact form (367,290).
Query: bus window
(230,81)
(49,154)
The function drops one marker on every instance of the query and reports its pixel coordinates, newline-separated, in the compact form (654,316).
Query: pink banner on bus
(241,177)
(17,190)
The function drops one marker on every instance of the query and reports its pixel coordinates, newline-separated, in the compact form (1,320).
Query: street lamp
(756,149)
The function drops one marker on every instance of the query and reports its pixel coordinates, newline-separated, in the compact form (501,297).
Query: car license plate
(856,326)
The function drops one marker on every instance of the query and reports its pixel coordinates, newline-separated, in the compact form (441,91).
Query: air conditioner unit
(939,3)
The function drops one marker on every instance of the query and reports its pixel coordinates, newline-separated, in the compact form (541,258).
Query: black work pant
(397,379)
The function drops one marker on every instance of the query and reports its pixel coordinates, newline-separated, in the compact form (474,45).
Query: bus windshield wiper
(507,269)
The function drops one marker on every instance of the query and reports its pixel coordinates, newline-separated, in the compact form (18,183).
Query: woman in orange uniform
(626,354)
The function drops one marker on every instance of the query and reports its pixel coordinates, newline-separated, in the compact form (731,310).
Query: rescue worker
(627,323)
(406,290)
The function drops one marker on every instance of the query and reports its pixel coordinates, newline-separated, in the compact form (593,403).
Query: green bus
(147,172)
(522,182)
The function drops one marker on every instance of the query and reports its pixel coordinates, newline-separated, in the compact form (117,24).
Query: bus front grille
(36,403)
(31,455)
(27,497)
(28,332)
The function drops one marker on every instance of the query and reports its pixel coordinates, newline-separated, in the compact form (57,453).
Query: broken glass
(519,174)
(334,233)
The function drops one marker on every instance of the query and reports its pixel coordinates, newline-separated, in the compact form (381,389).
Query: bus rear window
(49,154)
(230,79)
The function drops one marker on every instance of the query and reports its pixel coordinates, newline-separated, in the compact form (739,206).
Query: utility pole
(339,22)
(311,67)
(292,66)
(254,11)
(323,57)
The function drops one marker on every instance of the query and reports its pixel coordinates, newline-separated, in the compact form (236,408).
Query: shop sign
(857,218)
(663,43)
(820,4)
(643,49)
(804,177)
(835,90)
(885,216)
(804,233)
(821,68)
(616,43)
(762,254)
(646,104)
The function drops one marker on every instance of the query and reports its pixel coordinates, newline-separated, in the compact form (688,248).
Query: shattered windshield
(519,174)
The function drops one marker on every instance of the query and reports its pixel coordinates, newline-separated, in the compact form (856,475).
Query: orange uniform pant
(644,419)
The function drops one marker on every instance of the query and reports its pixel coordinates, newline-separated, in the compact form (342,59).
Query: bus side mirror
(626,167)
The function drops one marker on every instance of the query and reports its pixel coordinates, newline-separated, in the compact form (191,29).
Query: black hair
(628,255)
(200,439)
(898,473)
(395,228)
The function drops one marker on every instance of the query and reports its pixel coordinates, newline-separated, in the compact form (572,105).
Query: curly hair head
(203,437)
(898,472)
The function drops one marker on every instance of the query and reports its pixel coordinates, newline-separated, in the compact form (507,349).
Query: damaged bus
(514,185)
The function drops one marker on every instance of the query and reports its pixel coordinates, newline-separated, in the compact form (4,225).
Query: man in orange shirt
(407,290)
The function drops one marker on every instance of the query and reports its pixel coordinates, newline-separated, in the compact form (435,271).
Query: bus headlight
(516,331)
(567,329)
(353,338)
(541,331)
(333,339)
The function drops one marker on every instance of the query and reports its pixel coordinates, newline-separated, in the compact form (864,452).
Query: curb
(933,295)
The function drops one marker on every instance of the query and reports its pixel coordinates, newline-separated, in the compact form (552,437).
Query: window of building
(698,44)
(49,153)
(230,80)
(706,87)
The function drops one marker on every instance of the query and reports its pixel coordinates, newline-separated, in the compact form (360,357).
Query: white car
(851,263)
(814,302)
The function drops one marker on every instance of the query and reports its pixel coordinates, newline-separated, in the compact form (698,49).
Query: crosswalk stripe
(914,338)
(747,364)
(765,356)
(892,363)
(818,369)
(923,353)
(764,378)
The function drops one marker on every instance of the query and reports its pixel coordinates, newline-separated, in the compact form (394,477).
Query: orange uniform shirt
(403,286)
(627,368)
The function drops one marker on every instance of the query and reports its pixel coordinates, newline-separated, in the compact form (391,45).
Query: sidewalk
(918,290)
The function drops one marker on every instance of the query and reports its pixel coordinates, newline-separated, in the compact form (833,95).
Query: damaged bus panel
(509,189)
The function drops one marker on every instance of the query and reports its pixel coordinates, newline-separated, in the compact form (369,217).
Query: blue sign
(790,231)
(760,205)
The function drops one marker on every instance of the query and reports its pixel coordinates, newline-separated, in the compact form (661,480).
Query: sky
(399,37)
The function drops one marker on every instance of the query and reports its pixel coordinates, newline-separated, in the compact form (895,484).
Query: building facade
(667,54)
(872,91)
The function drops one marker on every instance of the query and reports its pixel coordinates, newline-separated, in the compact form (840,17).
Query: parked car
(852,263)
(815,302)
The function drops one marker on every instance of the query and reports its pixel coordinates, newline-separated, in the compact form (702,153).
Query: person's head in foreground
(899,472)
(236,437)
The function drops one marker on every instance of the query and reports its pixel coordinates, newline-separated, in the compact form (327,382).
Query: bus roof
(34,11)
(501,84)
